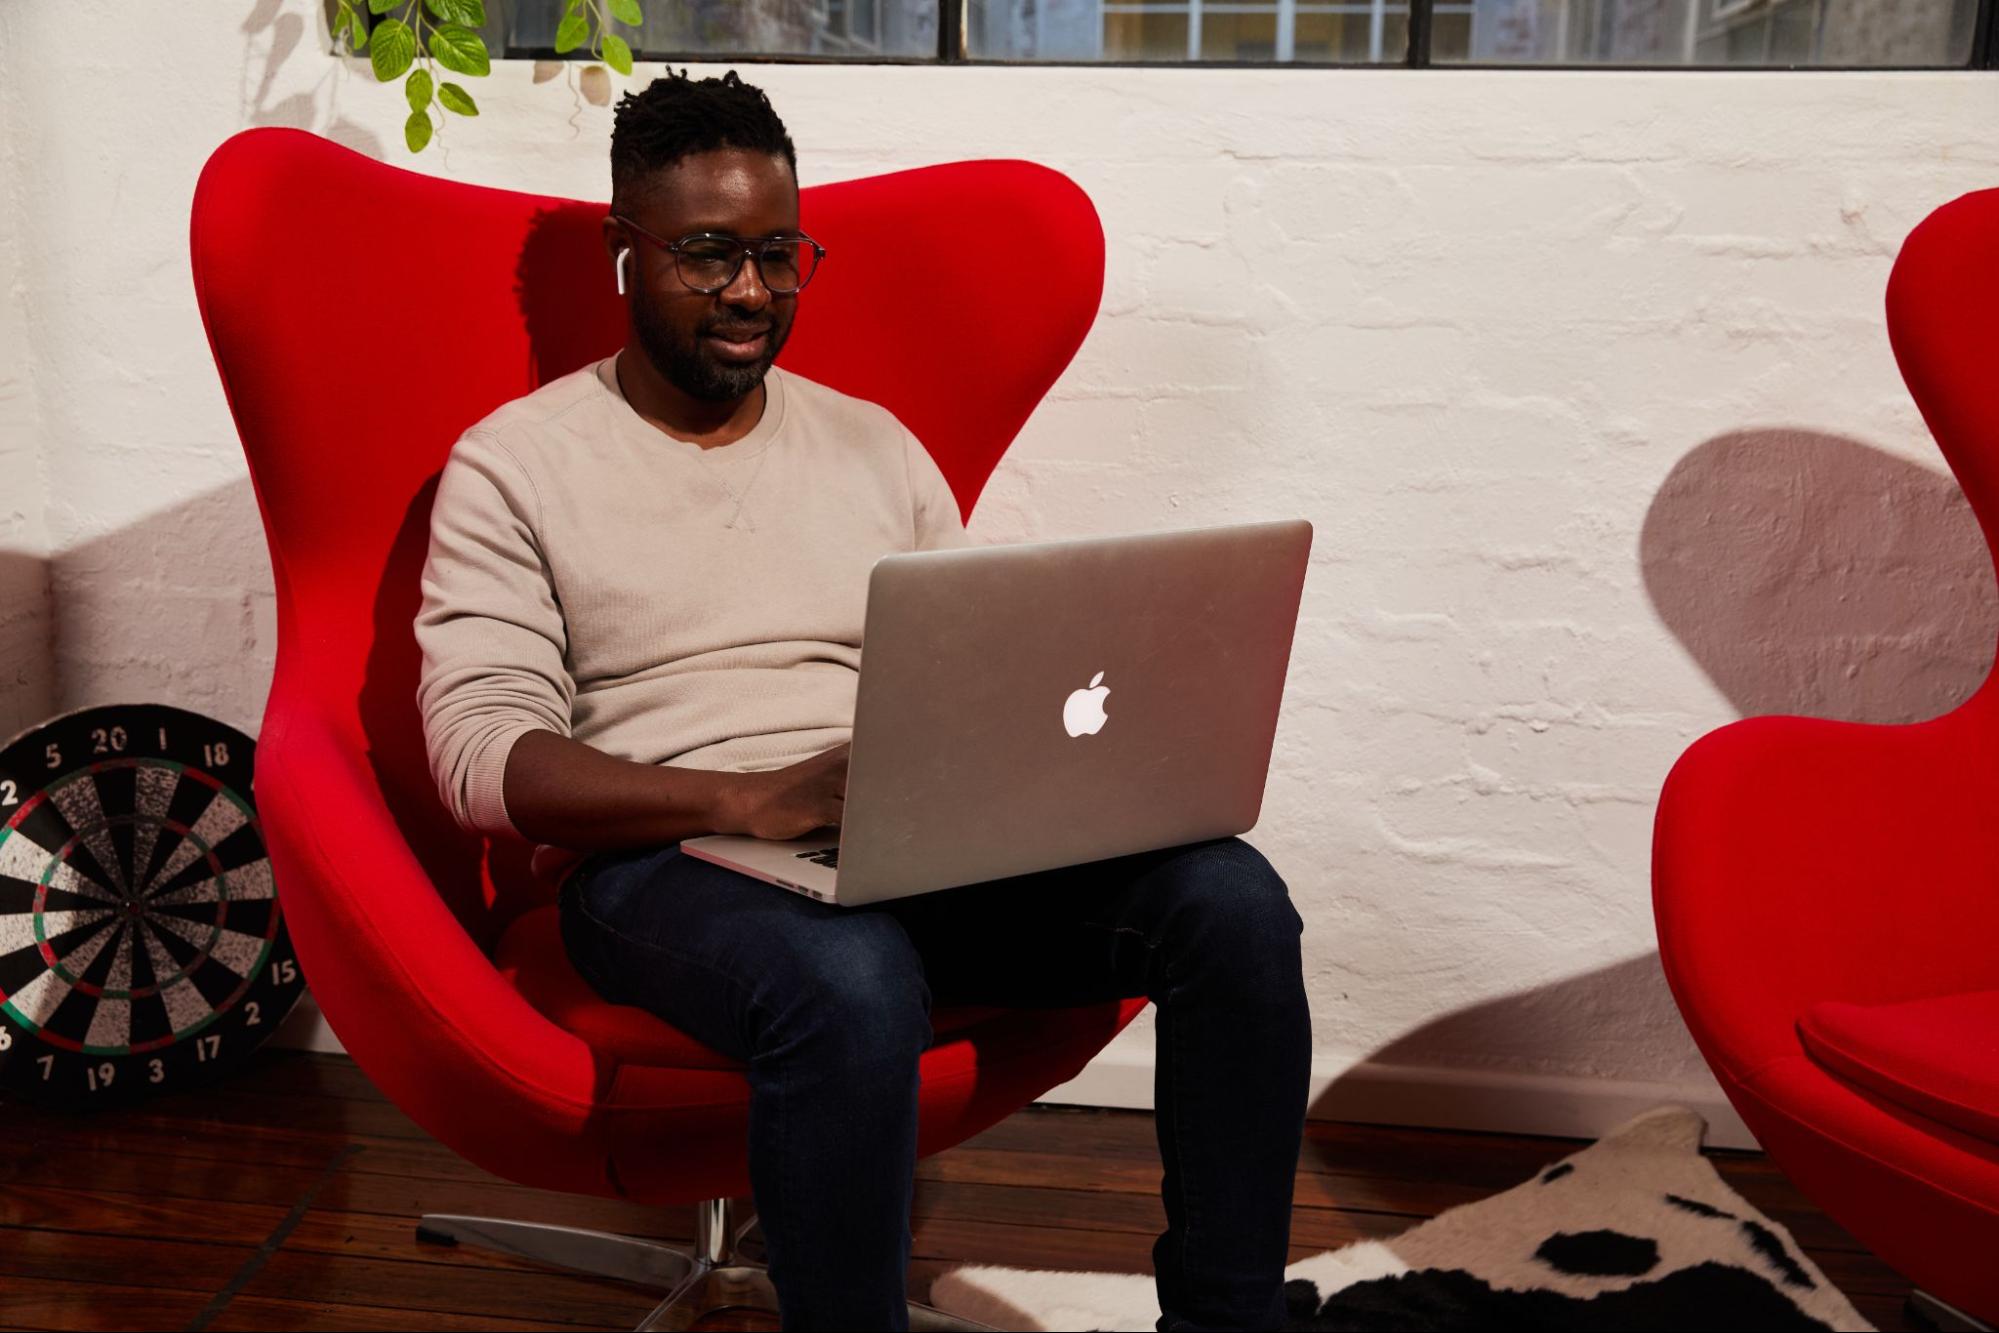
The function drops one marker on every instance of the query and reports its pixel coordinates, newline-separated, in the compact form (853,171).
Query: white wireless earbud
(622,256)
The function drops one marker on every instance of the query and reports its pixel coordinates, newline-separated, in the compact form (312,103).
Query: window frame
(952,50)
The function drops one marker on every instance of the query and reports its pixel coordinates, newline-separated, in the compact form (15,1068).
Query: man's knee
(861,982)
(1227,895)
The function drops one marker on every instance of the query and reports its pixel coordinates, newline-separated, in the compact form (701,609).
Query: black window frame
(951,50)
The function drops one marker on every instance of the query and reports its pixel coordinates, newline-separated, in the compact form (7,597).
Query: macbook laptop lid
(1042,704)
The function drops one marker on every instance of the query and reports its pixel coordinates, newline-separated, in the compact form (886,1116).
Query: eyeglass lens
(709,265)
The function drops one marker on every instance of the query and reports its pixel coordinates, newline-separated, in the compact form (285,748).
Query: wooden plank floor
(285,1198)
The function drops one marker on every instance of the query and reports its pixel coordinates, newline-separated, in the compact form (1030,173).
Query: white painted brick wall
(27,676)
(1469,323)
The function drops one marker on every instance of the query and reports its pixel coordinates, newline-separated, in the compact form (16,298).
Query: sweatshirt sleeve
(490,630)
(937,520)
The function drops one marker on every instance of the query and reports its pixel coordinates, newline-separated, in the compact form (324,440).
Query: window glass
(1704,32)
(1749,33)
(1142,32)
(1324,31)
(1336,33)
(854,29)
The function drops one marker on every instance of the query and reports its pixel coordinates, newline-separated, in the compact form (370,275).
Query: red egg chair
(361,317)
(1827,893)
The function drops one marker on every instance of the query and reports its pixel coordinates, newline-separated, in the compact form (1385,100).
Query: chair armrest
(1797,860)
(419,1007)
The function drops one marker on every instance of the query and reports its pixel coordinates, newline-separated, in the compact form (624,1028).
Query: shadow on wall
(102,598)
(174,607)
(286,33)
(1813,574)
(1807,574)
(27,672)
(1547,1060)
(177,606)
(1577,1024)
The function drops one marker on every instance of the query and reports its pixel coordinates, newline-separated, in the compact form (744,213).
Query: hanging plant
(431,33)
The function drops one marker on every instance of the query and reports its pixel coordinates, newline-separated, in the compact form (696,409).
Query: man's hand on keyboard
(791,802)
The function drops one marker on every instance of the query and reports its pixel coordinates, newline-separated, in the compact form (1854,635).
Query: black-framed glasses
(708,261)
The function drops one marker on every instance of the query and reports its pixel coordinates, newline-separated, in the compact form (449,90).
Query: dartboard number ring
(142,948)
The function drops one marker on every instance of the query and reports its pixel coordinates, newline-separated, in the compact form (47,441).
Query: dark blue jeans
(830,1009)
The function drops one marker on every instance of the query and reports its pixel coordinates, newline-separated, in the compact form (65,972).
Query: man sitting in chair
(641,623)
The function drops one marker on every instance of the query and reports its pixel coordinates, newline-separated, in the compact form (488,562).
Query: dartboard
(141,945)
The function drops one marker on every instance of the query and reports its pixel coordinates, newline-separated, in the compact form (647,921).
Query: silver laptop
(1022,707)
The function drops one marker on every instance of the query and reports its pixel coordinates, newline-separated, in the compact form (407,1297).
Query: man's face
(718,346)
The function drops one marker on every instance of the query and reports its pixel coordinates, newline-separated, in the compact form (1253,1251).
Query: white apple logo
(1083,712)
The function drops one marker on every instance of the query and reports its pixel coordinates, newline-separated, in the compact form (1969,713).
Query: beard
(691,367)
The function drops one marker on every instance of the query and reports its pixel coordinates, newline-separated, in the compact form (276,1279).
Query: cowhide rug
(1636,1231)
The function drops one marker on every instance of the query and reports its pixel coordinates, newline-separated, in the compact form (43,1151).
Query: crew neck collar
(755,442)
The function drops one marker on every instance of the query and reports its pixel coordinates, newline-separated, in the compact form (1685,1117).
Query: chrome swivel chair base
(712,1277)
(1933,1313)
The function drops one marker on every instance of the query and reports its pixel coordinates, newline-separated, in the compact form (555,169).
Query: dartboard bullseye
(141,944)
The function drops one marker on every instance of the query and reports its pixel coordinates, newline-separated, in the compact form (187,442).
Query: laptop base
(798,864)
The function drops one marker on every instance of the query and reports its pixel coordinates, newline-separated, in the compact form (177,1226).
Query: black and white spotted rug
(1636,1231)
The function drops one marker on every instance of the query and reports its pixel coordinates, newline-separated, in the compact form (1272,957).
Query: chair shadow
(1812,574)
(1806,573)
(27,663)
(206,555)
(1496,1063)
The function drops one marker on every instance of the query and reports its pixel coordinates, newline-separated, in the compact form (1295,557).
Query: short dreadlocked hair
(676,116)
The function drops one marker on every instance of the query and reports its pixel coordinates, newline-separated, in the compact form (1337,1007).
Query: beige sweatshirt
(664,603)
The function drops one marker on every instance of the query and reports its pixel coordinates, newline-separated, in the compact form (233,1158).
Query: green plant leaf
(627,11)
(472,13)
(460,50)
(617,54)
(381,6)
(393,50)
(571,33)
(457,99)
(417,89)
(357,31)
(416,130)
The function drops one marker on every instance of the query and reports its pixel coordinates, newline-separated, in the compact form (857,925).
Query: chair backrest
(362,316)
(1943,322)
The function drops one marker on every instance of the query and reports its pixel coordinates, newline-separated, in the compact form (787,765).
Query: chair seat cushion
(532,958)
(1938,1056)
